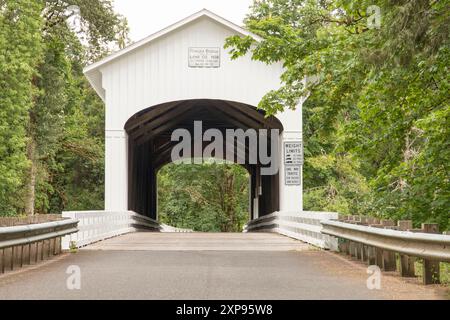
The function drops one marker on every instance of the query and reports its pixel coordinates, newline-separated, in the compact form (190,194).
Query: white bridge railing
(304,226)
(96,226)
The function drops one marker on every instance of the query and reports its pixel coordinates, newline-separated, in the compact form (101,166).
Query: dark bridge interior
(150,147)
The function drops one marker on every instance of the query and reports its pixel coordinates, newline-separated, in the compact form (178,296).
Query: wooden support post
(387,223)
(352,249)
(389,261)
(21,256)
(51,247)
(431,268)
(379,257)
(37,252)
(342,245)
(364,253)
(355,250)
(371,220)
(359,247)
(2,265)
(404,225)
(42,250)
(29,254)
(371,256)
(12,258)
(364,221)
(58,246)
(407,268)
(55,246)
(347,248)
(431,272)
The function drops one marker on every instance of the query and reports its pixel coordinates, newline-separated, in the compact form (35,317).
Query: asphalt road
(204,266)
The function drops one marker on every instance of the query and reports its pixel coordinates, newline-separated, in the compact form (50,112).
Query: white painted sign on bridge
(293,153)
(293,176)
(204,57)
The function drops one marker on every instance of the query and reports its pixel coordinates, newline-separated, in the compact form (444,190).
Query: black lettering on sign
(204,58)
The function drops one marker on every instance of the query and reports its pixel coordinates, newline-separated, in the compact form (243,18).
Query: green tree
(207,198)
(378,107)
(20,53)
(52,122)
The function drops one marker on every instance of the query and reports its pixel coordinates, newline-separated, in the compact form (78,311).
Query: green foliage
(20,52)
(208,198)
(377,118)
(51,121)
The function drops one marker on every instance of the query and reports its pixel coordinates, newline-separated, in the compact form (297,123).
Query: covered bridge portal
(168,81)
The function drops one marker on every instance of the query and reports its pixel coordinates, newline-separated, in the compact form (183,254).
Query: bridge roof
(94,75)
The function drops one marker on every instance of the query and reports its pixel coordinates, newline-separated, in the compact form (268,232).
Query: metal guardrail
(379,244)
(304,226)
(421,245)
(32,243)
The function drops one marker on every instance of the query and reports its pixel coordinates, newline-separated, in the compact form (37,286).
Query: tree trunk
(31,183)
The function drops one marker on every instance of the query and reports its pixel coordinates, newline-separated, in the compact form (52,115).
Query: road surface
(204,266)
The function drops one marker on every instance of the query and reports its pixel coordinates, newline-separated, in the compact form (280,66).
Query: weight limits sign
(293,161)
(204,57)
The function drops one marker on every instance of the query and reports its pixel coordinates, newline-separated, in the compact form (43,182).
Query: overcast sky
(149,16)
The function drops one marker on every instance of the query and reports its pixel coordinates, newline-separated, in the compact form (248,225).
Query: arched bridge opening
(151,146)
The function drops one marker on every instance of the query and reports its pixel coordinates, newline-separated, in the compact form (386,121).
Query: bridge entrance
(211,197)
(171,81)
(151,146)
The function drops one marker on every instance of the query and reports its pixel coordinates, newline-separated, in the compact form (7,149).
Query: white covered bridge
(174,80)
(168,81)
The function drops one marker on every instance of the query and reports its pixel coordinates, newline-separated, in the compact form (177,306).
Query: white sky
(146,17)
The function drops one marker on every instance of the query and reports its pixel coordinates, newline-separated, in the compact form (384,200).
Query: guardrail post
(388,257)
(56,246)
(342,244)
(431,268)
(407,268)
(371,256)
(29,253)
(364,253)
(2,264)
(351,249)
(348,247)
(379,257)
(389,261)
(42,250)
(51,247)
(21,256)
(13,251)
(359,248)
(387,223)
(36,258)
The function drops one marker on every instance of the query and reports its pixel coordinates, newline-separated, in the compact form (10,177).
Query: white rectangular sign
(293,176)
(204,57)
(293,153)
